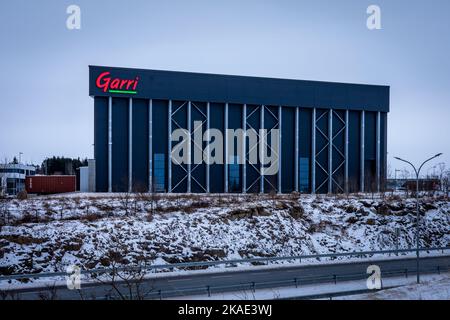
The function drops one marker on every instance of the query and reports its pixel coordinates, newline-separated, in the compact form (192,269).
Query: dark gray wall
(219,88)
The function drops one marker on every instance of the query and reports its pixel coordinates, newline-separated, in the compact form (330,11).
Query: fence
(187,265)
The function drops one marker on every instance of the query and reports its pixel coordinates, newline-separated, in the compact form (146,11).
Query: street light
(417,206)
(396,184)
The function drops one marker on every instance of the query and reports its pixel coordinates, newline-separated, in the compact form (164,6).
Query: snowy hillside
(95,230)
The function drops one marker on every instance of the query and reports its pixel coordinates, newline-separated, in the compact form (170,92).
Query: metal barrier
(253,286)
(360,254)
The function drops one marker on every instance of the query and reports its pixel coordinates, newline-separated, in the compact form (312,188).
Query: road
(174,285)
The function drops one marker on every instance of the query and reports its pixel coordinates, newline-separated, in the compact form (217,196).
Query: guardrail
(181,265)
(209,290)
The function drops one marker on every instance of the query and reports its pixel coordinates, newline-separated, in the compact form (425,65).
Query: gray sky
(45,109)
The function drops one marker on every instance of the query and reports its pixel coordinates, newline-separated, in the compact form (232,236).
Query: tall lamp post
(417,171)
(396,184)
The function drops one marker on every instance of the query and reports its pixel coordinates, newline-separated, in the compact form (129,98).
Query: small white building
(12,177)
(87,177)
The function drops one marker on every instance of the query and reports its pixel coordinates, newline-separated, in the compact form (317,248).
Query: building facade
(332,136)
(12,177)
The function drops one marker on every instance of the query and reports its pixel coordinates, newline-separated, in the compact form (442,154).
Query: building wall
(333,135)
(308,162)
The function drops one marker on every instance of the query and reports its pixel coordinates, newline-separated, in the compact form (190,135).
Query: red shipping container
(50,184)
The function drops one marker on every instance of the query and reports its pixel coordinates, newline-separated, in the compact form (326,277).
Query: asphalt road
(179,285)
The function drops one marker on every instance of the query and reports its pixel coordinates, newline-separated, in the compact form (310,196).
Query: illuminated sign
(116,85)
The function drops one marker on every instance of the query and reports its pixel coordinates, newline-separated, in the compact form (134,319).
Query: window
(21,171)
(233,174)
(159,181)
(304,175)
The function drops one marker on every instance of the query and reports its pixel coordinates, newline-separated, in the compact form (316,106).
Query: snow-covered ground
(434,288)
(47,234)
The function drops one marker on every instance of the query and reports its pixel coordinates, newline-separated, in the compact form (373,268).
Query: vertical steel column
(261,153)
(169,149)
(363,126)
(110,144)
(346,152)
(385,150)
(208,138)
(280,127)
(330,151)
(296,147)
(226,149)
(130,145)
(189,128)
(378,150)
(244,149)
(313,152)
(150,145)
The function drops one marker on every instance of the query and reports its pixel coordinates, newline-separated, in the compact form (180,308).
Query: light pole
(396,184)
(417,206)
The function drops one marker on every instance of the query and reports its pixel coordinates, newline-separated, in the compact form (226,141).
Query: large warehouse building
(332,136)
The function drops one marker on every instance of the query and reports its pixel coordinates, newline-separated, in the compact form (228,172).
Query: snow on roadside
(436,288)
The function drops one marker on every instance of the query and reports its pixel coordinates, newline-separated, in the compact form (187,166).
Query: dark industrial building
(333,135)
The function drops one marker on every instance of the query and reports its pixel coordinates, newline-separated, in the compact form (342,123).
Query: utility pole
(417,171)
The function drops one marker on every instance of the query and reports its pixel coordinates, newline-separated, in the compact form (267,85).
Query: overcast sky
(45,109)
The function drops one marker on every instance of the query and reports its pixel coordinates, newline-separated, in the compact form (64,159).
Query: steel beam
(313,152)
(226,159)
(330,151)
(110,144)
(244,149)
(378,164)
(261,153)
(169,148)
(280,127)
(296,160)
(385,150)
(130,145)
(150,145)
(346,152)
(189,156)
(208,138)
(363,126)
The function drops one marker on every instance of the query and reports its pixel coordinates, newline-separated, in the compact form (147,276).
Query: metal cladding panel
(253,121)
(120,144)
(383,148)
(101,143)
(140,145)
(235,122)
(156,84)
(288,150)
(354,151)
(160,116)
(50,184)
(198,114)
(216,170)
(305,127)
(160,136)
(370,136)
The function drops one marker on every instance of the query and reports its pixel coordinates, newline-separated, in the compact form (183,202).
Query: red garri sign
(116,85)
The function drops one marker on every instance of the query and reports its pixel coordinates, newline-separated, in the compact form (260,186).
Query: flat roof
(204,87)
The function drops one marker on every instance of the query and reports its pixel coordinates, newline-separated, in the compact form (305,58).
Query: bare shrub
(22,195)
